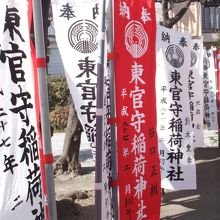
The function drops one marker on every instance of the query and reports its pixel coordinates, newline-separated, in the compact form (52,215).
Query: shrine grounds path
(200,204)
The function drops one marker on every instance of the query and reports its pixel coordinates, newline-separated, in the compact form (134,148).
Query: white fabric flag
(173,116)
(21,194)
(106,210)
(2,17)
(195,86)
(106,153)
(209,92)
(76,26)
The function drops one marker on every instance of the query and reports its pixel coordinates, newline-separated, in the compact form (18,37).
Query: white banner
(21,194)
(173,116)
(106,153)
(2,18)
(76,27)
(209,92)
(195,86)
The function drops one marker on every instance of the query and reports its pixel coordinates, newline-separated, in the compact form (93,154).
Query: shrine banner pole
(100,113)
(113,114)
(218,94)
(44,107)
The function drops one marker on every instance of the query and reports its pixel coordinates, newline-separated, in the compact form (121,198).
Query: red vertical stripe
(37,105)
(135,71)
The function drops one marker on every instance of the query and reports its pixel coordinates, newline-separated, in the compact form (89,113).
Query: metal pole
(112,113)
(99,114)
(44,107)
(218,93)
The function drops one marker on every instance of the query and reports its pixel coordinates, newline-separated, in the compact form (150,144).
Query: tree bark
(69,160)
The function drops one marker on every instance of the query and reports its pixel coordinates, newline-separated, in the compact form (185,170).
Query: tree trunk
(69,160)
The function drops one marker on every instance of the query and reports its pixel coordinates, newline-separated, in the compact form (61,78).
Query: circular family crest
(206,63)
(136,39)
(193,58)
(82,36)
(174,56)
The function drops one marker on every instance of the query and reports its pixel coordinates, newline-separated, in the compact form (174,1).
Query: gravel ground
(75,195)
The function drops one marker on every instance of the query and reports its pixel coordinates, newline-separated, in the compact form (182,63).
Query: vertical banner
(2,18)
(209,92)
(135,70)
(195,87)
(106,152)
(173,112)
(21,178)
(76,26)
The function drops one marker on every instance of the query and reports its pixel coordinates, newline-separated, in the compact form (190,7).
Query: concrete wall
(55,65)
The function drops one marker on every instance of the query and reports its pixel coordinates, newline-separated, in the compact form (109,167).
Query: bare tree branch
(181,13)
(167,6)
(167,20)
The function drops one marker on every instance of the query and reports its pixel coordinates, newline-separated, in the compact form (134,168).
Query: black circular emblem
(82,36)
(174,56)
(206,63)
(193,58)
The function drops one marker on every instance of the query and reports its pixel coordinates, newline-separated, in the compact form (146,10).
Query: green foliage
(59,118)
(58,102)
(217,42)
(58,92)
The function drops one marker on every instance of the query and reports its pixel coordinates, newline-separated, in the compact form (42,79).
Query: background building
(55,64)
(210,22)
